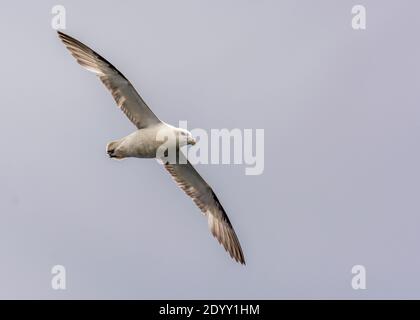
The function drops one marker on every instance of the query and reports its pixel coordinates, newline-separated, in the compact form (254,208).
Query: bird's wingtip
(241,260)
(62,35)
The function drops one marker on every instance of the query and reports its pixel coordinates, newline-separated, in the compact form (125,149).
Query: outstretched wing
(121,89)
(189,180)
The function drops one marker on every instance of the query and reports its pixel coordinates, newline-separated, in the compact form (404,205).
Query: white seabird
(143,143)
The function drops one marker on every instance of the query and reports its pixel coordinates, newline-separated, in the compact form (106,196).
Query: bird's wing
(121,89)
(189,180)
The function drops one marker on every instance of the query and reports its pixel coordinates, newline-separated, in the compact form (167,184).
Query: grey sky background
(340,109)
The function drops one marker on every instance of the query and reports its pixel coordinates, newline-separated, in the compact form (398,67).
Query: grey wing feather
(121,89)
(190,181)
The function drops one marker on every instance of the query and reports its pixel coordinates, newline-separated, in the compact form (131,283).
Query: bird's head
(185,137)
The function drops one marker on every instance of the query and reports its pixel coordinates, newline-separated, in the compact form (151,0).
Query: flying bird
(143,143)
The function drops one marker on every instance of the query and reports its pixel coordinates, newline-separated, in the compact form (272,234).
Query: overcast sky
(340,110)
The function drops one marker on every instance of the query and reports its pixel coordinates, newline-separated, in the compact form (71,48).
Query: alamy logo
(59,19)
(359,17)
(221,146)
(359,279)
(58,281)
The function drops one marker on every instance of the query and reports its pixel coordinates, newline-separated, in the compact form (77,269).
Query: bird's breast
(143,143)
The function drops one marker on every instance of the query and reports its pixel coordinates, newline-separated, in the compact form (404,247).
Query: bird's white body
(144,143)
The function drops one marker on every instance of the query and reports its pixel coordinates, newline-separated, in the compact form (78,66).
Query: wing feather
(123,92)
(190,181)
